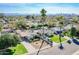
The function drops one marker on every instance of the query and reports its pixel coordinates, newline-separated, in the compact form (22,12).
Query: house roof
(21,33)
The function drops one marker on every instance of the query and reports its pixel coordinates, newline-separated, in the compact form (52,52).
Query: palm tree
(61,24)
(43,18)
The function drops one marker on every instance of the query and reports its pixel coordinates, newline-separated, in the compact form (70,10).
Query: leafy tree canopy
(73,31)
(8,40)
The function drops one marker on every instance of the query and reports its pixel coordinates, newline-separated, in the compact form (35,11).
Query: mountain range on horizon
(19,14)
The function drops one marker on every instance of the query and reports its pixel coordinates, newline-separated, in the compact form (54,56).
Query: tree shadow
(25,39)
(61,47)
(7,52)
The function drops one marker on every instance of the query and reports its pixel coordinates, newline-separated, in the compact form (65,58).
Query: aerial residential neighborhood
(39,29)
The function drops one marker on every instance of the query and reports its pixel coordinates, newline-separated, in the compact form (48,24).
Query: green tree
(51,23)
(8,40)
(73,32)
(75,19)
(1,27)
(21,23)
(12,24)
(73,29)
(1,24)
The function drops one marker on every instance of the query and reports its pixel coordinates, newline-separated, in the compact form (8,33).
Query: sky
(35,8)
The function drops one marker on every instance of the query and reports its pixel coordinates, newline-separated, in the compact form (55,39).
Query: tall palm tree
(61,24)
(43,18)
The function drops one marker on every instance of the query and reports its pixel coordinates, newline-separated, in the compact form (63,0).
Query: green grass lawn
(55,38)
(19,49)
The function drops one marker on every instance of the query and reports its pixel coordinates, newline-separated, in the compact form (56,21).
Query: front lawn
(55,38)
(19,49)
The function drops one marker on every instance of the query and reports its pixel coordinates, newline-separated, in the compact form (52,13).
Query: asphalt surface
(69,49)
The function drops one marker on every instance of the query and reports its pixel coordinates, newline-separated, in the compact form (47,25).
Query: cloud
(57,9)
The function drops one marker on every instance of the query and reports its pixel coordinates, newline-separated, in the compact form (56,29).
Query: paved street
(69,49)
(76,53)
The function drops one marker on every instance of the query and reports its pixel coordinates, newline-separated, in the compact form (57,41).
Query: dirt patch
(37,44)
